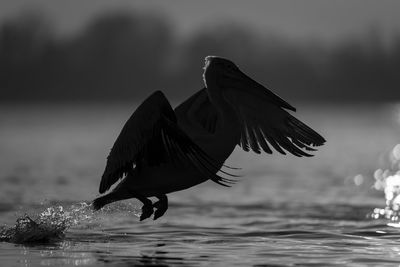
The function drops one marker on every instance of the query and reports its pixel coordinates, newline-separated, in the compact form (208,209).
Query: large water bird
(162,150)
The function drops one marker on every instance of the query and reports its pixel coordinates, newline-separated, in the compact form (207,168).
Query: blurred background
(72,72)
(310,50)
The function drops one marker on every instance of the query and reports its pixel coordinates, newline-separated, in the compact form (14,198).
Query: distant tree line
(125,56)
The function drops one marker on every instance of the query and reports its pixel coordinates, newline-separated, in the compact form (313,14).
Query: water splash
(388,181)
(49,225)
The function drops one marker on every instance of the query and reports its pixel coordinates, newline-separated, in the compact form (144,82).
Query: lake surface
(285,211)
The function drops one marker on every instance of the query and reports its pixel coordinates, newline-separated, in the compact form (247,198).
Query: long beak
(243,82)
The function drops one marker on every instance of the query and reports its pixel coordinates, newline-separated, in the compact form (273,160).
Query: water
(338,208)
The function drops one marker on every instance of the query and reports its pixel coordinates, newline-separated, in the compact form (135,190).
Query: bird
(161,150)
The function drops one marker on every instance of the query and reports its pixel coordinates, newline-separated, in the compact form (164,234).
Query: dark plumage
(161,150)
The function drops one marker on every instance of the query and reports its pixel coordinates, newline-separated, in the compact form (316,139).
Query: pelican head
(222,74)
(215,67)
(225,74)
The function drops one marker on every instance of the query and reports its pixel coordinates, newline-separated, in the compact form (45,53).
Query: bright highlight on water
(388,180)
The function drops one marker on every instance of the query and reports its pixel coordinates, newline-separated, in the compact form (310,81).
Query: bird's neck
(216,96)
(227,131)
(223,107)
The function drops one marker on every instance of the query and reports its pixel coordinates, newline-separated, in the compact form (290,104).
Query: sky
(326,20)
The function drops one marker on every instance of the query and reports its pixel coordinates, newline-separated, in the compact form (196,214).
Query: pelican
(161,150)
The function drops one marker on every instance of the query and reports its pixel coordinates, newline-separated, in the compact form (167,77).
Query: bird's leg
(147,209)
(161,206)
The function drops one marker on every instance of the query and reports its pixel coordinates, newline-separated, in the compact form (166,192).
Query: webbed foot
(161,206)
(147,209)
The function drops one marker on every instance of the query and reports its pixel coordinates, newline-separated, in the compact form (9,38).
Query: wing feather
(188,152)
(261,140)
(137,138)
(265,122)
(253,141)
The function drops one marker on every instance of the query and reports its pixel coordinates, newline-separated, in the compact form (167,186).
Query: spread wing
(152,134)
(264,121)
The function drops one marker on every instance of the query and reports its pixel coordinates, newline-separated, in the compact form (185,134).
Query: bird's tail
(100,202)
(111,197)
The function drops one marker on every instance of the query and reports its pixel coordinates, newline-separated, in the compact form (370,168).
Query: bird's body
(161,150)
